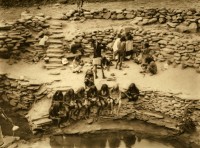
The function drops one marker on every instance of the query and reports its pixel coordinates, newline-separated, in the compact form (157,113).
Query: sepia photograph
(99,74)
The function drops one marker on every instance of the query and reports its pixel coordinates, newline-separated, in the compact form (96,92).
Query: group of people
(69,105)
(123,48)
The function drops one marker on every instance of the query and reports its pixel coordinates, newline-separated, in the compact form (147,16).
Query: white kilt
(97,61)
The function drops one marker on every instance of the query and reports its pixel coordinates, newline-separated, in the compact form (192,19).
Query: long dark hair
(80,92)
(69,95)
(133,88)
(105,88)
(58,96)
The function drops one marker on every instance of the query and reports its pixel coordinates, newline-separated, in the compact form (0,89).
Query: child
(115,94)
(89,79)
(152,68)
(77,64)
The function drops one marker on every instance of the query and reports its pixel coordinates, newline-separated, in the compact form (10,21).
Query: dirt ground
(175,80)
(52,10)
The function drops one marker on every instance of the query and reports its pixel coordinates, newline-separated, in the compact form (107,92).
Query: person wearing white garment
(116,46)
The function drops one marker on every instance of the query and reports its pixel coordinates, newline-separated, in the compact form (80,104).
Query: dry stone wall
(167,46)
(16,36)
(155,107)
(20,92)
(182,20)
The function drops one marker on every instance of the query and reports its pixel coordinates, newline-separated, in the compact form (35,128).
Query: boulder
(107,15)
(136,20)
(129,16)
(192,28)
(172,25)
(152,21)
(182,28)
(120,16)
(162,20)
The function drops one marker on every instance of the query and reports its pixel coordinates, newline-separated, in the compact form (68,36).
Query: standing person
(97,58)
(121,52)
(116,46)
(79,4)
(129,46)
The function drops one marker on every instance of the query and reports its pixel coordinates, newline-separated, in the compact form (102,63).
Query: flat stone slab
(55,55)
(54,50)
(57,36)
(9,140)
(56,31)
(55,41)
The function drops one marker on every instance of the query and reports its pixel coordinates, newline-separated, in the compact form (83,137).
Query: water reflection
(104,140)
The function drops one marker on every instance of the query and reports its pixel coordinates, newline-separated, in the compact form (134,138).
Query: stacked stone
(166,103)
(182,20)
(106,36)
(15,36)
(36,23)
(55,51)
(19,93)
(13,39)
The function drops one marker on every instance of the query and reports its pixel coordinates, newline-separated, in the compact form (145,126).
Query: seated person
(104,94)
(58,96)
(79,99)
(152,68)
(54,112)
(89,79)
(115,95)
(77,64)
(106,63)
(132,92)
(77,46)
(91,99)
(69,101)
(147,60)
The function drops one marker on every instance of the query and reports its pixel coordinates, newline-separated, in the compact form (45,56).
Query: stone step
(56,24)
(53,66)
(56,31)
(55,41)
(57,36)
(53,46)
(54,55)
(9,140)
(71,55)
(55,60)
(55,27)
(54,50)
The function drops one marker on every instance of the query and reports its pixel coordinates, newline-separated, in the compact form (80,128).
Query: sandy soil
(172,80)
(11,13)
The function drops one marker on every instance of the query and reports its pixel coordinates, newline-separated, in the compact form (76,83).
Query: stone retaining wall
(167,46)
(182,20)
(155,107)
(20,92)
(16,36)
